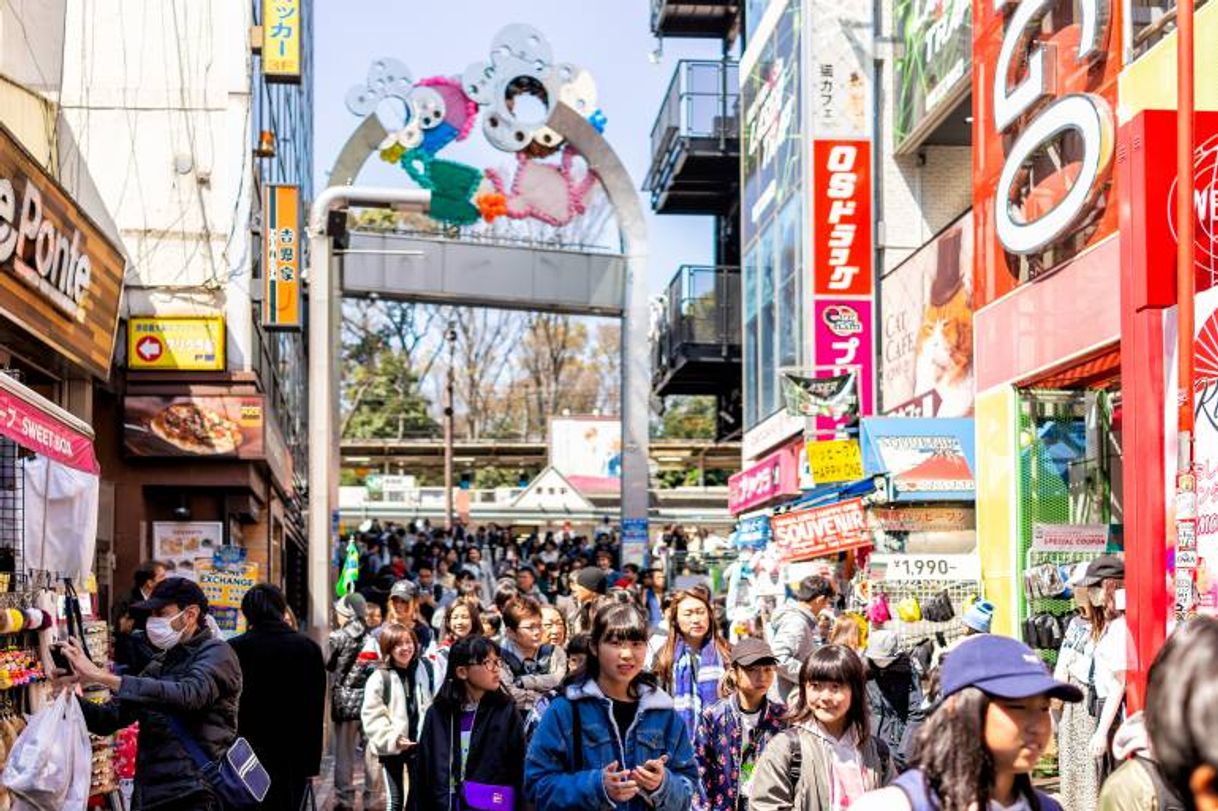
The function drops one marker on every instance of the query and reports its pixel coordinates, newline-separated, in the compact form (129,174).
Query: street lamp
(451,337)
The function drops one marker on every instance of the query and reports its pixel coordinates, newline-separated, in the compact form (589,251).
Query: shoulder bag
(237,778)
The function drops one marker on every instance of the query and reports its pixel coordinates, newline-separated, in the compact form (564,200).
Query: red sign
(1148,205)
(1043,137)
(150,348)
(821,531)
(775,475)
(37,430)
(841,218)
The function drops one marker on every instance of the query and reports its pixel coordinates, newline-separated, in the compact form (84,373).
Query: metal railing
(703,101)
(702,308)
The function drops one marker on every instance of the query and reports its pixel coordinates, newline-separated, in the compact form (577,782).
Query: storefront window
(750,338)
(789,311)
(768,332)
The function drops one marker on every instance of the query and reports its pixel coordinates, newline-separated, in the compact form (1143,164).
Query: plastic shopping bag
(49,765)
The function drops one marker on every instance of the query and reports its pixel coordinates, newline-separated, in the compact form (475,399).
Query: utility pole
(1186,482)
(451,337)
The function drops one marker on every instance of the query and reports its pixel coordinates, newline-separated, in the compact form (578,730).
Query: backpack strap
(913,785)
(797,756)
(386,687)
(1166,798)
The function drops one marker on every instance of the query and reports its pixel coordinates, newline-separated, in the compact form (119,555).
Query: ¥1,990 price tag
(925,567)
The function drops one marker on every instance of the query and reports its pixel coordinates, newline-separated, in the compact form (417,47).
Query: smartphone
(58,657)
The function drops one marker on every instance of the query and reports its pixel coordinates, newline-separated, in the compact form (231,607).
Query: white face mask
(161,632)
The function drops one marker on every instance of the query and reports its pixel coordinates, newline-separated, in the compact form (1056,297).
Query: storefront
(1046,287)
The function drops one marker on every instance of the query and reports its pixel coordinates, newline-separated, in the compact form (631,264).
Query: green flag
(349,573)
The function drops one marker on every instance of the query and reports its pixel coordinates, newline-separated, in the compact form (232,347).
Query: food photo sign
(227,426)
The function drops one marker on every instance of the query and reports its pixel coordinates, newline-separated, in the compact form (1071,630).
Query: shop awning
(925,459)
(37,424)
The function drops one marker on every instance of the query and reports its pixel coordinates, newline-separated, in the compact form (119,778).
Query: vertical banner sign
(281,35)
(841,212)
(281,257)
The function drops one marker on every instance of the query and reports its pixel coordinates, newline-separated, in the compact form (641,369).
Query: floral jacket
(717,748)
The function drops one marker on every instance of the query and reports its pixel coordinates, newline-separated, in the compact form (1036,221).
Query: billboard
(842,63)
(281,37)
(586,446)
(926,367)
(772,131)
(932,69)
(821,531)
(178,343)
(1043,138)
(222,426)
(281,257)
(774,476)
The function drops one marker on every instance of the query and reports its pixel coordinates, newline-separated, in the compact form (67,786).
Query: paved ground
(324,789)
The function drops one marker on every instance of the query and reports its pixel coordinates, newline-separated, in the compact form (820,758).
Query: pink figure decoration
(460,110)
(544,191)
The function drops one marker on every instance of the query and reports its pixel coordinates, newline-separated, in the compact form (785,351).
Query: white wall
(157,93)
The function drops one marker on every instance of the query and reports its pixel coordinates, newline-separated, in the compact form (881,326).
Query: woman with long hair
(977,750)
(828,758)
(472,742)
(396,699)
(612,734)
(461,619)
(693,657)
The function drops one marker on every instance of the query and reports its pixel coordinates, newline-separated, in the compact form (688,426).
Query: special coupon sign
(821,531)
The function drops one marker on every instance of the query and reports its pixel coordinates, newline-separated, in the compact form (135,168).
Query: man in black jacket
(283,699)
(195,680)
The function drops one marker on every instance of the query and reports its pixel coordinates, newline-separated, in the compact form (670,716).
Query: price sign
(926,567)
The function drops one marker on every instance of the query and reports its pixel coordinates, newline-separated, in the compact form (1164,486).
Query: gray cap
(404,590)
(883,647)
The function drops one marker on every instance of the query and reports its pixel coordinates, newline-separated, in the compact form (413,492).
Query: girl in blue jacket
(613,738)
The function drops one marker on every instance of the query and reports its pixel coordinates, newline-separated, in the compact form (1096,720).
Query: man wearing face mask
(191,688)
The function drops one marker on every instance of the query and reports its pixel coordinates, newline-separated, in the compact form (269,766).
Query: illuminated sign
(177,343)
(281,37)
(281,257)
(1044,143)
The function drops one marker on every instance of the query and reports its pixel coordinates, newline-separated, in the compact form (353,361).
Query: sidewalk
(323,788)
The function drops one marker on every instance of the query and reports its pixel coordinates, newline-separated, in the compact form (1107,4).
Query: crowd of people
(478,671)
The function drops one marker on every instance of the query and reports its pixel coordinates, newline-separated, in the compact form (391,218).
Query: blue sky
(611,38)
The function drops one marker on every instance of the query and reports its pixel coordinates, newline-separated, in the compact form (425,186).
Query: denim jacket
(719,751)
(551,782)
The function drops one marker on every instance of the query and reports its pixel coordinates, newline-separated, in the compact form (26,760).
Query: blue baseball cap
(1001,667)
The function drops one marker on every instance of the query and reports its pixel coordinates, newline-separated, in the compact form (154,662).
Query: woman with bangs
(693,658)
(828,759)
(612,735)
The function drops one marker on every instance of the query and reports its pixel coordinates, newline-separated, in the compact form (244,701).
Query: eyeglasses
(531,628)
(489,664)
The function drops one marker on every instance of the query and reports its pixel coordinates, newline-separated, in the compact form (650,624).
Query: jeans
(346,756)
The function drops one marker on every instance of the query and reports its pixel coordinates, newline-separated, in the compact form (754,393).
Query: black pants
(397,781)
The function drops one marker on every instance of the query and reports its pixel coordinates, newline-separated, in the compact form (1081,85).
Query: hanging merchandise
(49,764)
(60,529)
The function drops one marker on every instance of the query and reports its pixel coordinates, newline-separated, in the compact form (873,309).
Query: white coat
(385,723)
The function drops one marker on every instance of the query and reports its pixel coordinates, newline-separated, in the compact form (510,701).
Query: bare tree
(486,340)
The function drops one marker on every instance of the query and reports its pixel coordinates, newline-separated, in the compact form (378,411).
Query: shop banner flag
(347,577)
(834,397)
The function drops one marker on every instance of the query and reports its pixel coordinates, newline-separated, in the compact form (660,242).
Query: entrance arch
(625,272)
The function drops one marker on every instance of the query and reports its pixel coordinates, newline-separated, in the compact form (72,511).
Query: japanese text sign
(775,475)
(281,257)
(841,226)
(179,343)
(835,460)
(844,339)
(281,37)
(1070,537)
(842,33)
(25,422)
(821,531)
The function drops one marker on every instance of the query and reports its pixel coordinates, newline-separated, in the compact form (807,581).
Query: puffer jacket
(551,782)
(199,683)
(794,636)
(349,677)
(385,722)
(721,755)
(776,787)
(894,695)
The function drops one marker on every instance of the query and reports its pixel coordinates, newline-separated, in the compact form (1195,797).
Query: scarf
(706,673)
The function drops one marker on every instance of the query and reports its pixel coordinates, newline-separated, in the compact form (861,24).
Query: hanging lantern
(266,144)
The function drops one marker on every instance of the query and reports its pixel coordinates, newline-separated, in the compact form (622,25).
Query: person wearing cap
(733,731)
(1105,585)
(1080,777)
(350,674)
(195,683)
(980,745)
(894,692)
(796,631)
(404,610)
